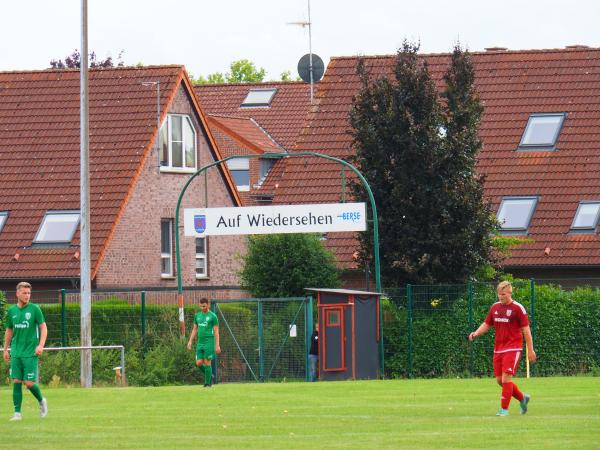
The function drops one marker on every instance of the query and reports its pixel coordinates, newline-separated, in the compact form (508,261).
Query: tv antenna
(302,67)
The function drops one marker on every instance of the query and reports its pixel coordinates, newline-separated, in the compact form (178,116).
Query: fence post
(143,318)
(215,361)
(470,307)
(261,344)
(308,329)
(409,328)
(63,318)
(533,333)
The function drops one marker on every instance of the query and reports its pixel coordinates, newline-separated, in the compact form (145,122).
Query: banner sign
(319,218)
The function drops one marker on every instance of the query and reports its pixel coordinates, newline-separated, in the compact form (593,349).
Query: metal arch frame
(279,156)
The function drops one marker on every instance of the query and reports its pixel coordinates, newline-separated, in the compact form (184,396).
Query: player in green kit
(206,326)
(25,334)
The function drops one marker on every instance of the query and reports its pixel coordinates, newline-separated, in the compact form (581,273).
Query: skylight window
(3,217)
(515,214)
(58,227)
(259,97)
(586,217)
(542,130)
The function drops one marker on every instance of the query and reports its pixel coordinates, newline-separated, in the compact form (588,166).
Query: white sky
(206,36)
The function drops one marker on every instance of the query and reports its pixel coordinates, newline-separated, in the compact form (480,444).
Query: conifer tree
(418,155)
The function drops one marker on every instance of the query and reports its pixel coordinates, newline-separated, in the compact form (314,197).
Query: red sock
(516,393)
(507,391)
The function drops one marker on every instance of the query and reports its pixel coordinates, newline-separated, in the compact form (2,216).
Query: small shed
(349,334)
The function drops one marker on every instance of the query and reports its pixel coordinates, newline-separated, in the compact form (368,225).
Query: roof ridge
(98,69)
(257,83)
(480,52)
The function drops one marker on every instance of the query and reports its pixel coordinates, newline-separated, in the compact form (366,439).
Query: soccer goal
(119,370)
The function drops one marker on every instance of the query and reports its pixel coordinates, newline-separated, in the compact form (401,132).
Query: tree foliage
(417,149)
(282,265)
(73,61)
(241,71)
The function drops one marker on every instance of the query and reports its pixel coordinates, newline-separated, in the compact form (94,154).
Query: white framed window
(542,130)
(57,227)
(177,144)
(202,257)
(166,247)
(259,97)
(3,217)
(586,217)
(240,172)
(515,214)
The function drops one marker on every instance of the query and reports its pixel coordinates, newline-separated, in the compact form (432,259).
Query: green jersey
(206,323)
(25,325)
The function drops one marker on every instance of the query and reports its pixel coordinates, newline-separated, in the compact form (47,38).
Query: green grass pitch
(564,413)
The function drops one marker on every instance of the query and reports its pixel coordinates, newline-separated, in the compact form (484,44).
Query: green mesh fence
(426,329)
(261,339)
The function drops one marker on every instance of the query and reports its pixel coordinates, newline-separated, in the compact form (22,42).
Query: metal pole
(143,318)
(63,325)
(85,269)
(470,315)
(409,328)
(309,327)
(533,324)
(261,344)
(310,59)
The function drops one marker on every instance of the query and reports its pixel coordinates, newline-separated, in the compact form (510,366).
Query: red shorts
(506,362)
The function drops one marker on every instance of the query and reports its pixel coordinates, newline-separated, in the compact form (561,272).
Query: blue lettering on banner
(353,216)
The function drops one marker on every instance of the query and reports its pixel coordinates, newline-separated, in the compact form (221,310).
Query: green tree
(241,71)
(282,265)
(418,155)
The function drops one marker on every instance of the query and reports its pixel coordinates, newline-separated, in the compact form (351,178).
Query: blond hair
(502,285)
(23,284)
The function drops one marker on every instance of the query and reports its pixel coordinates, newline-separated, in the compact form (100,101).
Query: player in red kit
(511,322)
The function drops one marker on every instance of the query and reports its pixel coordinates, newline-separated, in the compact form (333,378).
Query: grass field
(401,414)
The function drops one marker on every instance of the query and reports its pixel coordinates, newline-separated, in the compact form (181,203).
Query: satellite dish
(317,66)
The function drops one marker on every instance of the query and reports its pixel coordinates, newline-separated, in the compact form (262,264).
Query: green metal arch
(279,156)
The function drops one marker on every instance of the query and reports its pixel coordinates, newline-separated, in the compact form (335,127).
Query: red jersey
(508,321)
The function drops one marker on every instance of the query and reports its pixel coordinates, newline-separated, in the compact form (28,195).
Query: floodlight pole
(85,266)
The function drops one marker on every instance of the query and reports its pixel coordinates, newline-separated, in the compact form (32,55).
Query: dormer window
(515,214)
(177,144)
(586,217)
(258,98)
(542,131)
(3,217)
(58,227)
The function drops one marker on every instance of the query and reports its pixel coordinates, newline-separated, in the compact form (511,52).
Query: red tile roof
(39,155)
(512,85)
(283,120)
(246,132)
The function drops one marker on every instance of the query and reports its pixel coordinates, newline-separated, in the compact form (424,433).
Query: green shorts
(24,368)
(205,350)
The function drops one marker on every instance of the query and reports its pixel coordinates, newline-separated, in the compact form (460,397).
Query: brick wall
(133,256)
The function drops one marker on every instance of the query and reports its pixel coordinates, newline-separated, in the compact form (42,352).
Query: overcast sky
(206,36)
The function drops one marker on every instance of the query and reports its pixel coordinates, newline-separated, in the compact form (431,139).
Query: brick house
(136,175)
(540,133)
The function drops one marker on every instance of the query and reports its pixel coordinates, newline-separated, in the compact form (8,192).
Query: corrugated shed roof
(512,85)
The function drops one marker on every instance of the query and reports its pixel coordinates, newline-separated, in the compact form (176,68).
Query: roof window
(515,214)
(542,130)
(58,227)
(586,217)
(3,217)
(259,97)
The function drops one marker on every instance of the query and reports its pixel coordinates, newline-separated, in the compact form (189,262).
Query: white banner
(322,218)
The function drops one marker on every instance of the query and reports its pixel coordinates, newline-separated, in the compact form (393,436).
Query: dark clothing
(314,343)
